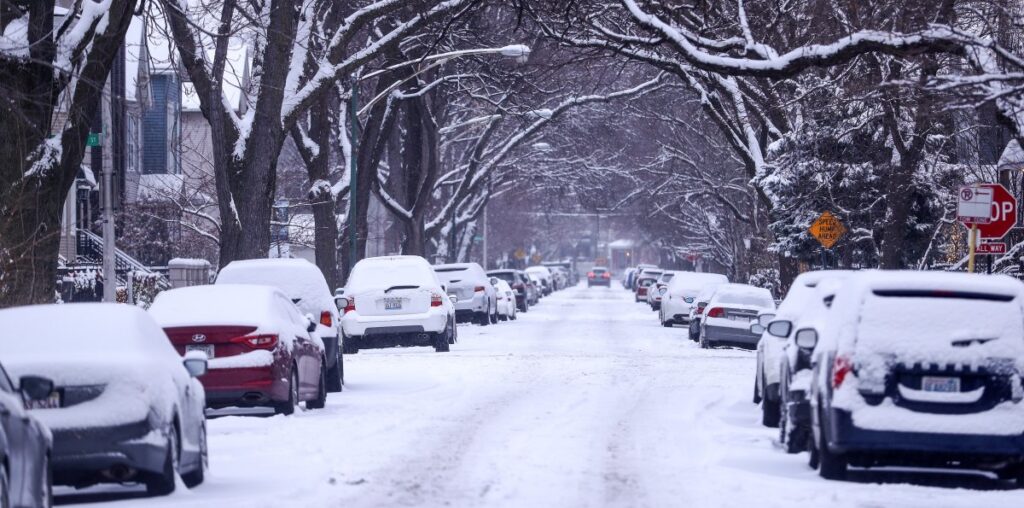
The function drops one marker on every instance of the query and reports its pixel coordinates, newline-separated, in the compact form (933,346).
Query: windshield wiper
(388,290)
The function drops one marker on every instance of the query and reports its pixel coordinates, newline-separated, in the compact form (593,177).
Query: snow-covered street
(583,401)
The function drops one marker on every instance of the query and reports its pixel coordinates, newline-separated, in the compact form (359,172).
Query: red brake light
(606,275)
(326,319)
(435,300)
(351,305)
(590,275)
(840,368)
(700,310)
(257,341)
(716,312)
(478,289)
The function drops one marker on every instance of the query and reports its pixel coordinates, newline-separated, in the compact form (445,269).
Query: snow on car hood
(117,346)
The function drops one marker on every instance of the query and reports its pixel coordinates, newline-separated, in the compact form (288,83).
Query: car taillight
(517,286)
(590,275)
(840,368)
(435,300)
(257,341)
(716,312)
(700,310)
(326,319)
(606,275)
(351,306)
(478,289)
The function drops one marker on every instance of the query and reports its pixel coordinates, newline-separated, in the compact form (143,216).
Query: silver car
(476,299)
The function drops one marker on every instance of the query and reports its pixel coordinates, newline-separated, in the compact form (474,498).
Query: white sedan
(506,299)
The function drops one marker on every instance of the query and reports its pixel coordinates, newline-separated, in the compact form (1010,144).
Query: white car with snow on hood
(396,301)
(920,369)
(547,279)
(506,299)
(305,285)
(729,314)
(476,299)
(681,293)
(125,407)
(775,328)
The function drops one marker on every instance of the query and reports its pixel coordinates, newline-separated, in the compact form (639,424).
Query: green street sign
(478,239)
(93,139)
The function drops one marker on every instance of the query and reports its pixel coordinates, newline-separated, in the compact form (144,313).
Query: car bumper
(245,387)
(87,456)
(599,282)
(732,336)
(896,447)
(432,321)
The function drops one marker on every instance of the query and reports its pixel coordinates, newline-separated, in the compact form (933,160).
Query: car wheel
(494,316)
(812,449)
(321,393)
(666,324)
(514,312)
(789,435)
(288,407)
(769,410)
(336,377)
(831,466)
(195,478)
(441,342)
(163,484)
(5,488)
(349,347)
(483,319)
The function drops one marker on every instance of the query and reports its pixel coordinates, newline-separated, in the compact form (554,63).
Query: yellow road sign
(828,229)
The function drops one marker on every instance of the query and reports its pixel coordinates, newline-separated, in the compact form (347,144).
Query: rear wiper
(388,290)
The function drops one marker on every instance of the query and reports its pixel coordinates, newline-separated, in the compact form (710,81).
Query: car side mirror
(806,338)
(196,363)
(494,281)
(764,319)
(340,302)
(757,329)
(310,323)
(35,387)
(780,328)
(454,299)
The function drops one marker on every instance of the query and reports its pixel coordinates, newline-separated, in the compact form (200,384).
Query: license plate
(51,402)
(741,318)
(940,384)
(205,348)
(392,304)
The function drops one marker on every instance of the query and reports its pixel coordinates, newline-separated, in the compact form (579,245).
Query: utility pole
(109,249)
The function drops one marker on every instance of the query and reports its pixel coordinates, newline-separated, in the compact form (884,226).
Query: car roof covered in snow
(694,281)
(301,281)
(218,305)
(380,273)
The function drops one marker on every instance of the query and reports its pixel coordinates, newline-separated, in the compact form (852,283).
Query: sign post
(990,212)
(827,230)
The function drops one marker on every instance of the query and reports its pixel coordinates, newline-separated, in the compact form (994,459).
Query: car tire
(441,342)
(770,410)
(494,316)
(5,488)
(666,324)
(483,319)
(502,317)
(348,347)
(790,441)
(195,477)
(812,451)
(163,484)
(288,407)
(336,377)
(831,466)
(321,394)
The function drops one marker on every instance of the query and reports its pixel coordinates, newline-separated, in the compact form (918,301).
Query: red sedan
(262,351)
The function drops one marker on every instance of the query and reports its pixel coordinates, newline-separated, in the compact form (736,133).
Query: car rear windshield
(505,276)
(753,300)
(599,270)
(383,276)
(646,282)
(667,277)
(452,269)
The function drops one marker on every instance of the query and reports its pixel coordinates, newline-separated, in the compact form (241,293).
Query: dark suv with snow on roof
(920,369)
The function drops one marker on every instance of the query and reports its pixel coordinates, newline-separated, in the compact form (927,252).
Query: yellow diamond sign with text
(828,229)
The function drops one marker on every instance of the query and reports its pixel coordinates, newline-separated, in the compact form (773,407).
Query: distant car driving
(599,276)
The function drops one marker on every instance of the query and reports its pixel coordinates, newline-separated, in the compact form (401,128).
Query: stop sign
(1004,213)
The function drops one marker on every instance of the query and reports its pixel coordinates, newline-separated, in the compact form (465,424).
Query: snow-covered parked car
(506,299)
(700,302)
(520,284)
(25,444)
(920,369)
(730,312)
(262,351)
(775,329)
(125,406)
(537,283)
(681,292)
(305,285)
(396,301)
(645,283)
(476,299)
(547,279)
(658,290)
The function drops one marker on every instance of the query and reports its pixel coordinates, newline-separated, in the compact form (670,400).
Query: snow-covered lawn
(584,401)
